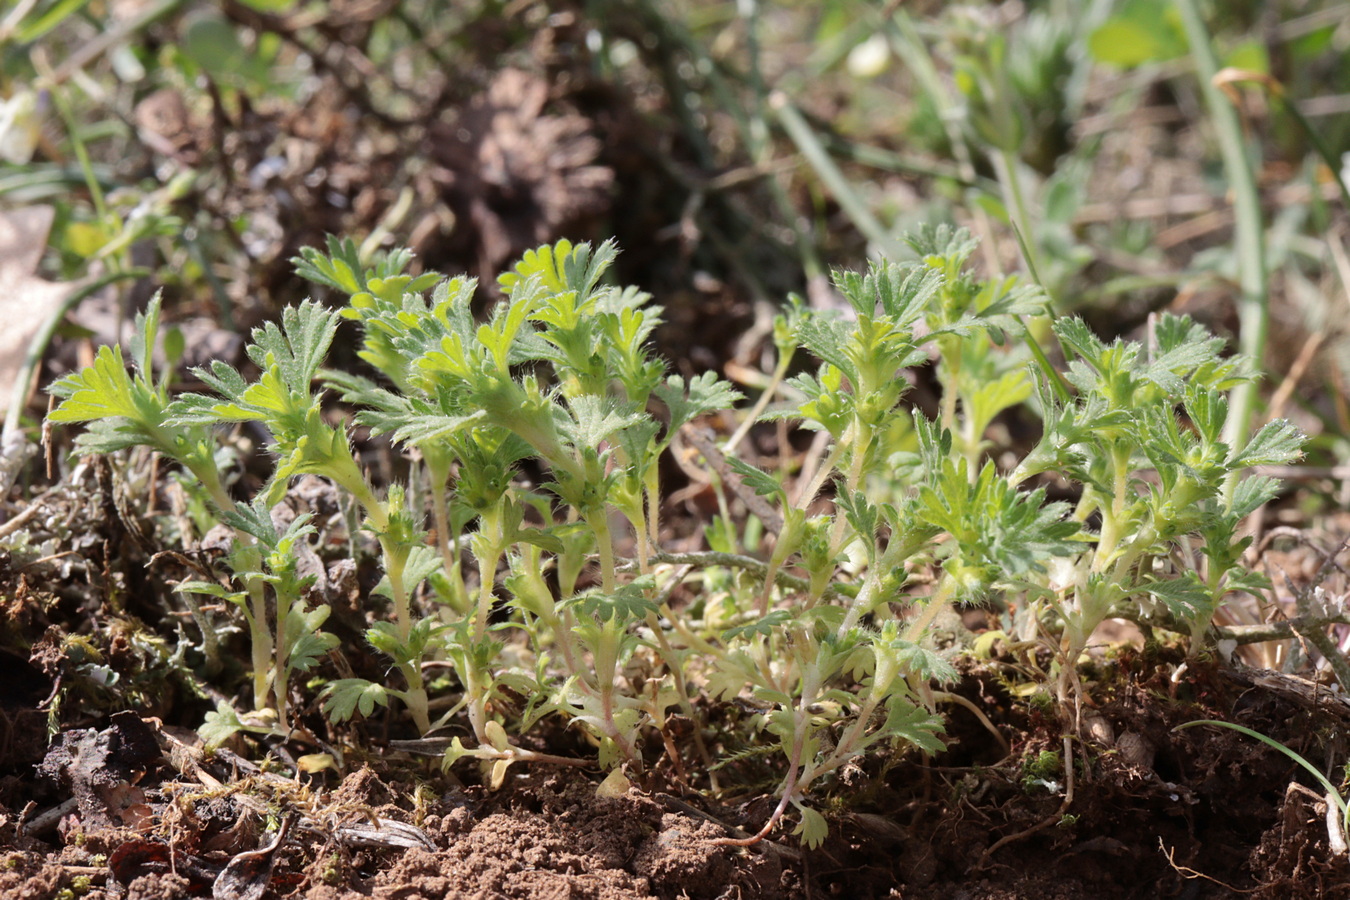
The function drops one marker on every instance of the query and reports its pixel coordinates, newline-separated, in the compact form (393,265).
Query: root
(1052,819)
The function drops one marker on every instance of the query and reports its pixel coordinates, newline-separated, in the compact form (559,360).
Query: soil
(134,810)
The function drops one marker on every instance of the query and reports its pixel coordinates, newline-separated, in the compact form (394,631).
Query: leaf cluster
(516,587)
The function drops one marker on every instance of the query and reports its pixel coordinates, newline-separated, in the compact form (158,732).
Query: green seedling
(816,614)
(1144,437)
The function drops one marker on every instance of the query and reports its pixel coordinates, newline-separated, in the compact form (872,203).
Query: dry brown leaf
(26,301)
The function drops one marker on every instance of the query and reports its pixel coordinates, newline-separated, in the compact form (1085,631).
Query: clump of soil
(1203,812)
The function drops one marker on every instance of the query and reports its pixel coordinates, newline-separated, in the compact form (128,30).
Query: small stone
(1099,730)
(1136,750)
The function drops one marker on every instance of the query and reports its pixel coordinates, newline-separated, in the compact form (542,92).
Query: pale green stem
(672,663)
(280,683)
(210,479)
(261,637)
(262,643)
(1109,538)
(599,524)
(416,697)
(654,507)
(776,561)
(759,653)
(971,448)
(694,641)
(607,672)
(563,634)
(779,373)
(487,568)
(353,483)
(821,475)
(936,604)
(395,565)
(606,659)
(859,604)
(476,704)
(951,359)
(638,521)
(440,515)
(860,438)
(565,639)
(1249,237)
(347,474)
(844,750)
(792,783)
(1005,166)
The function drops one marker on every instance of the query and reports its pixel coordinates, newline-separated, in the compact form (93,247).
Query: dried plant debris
(140,859)
(248,874)
(27,303)
(101,770)
(519,175)
(166,125)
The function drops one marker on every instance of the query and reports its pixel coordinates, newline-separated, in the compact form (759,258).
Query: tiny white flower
(1066,572)
(870,58)
(20,126)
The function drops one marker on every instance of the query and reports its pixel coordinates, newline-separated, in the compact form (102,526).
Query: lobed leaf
(347,696)
(705,393)
(1277,443)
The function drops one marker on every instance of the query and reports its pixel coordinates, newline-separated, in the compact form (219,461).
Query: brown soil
(1200,813)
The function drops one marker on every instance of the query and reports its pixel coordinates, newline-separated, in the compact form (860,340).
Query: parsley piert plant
(560,374)
(553,596)
(1142,435)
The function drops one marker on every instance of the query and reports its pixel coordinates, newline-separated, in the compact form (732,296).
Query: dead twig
(757,505)
(29,511)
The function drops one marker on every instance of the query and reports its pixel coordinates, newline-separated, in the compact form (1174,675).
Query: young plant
(522,590)
(130,409)
(298,643)
(124,409)
(1144,437)
(560,374)
(968,519)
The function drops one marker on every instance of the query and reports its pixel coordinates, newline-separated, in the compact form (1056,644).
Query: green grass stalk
(1253,297)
